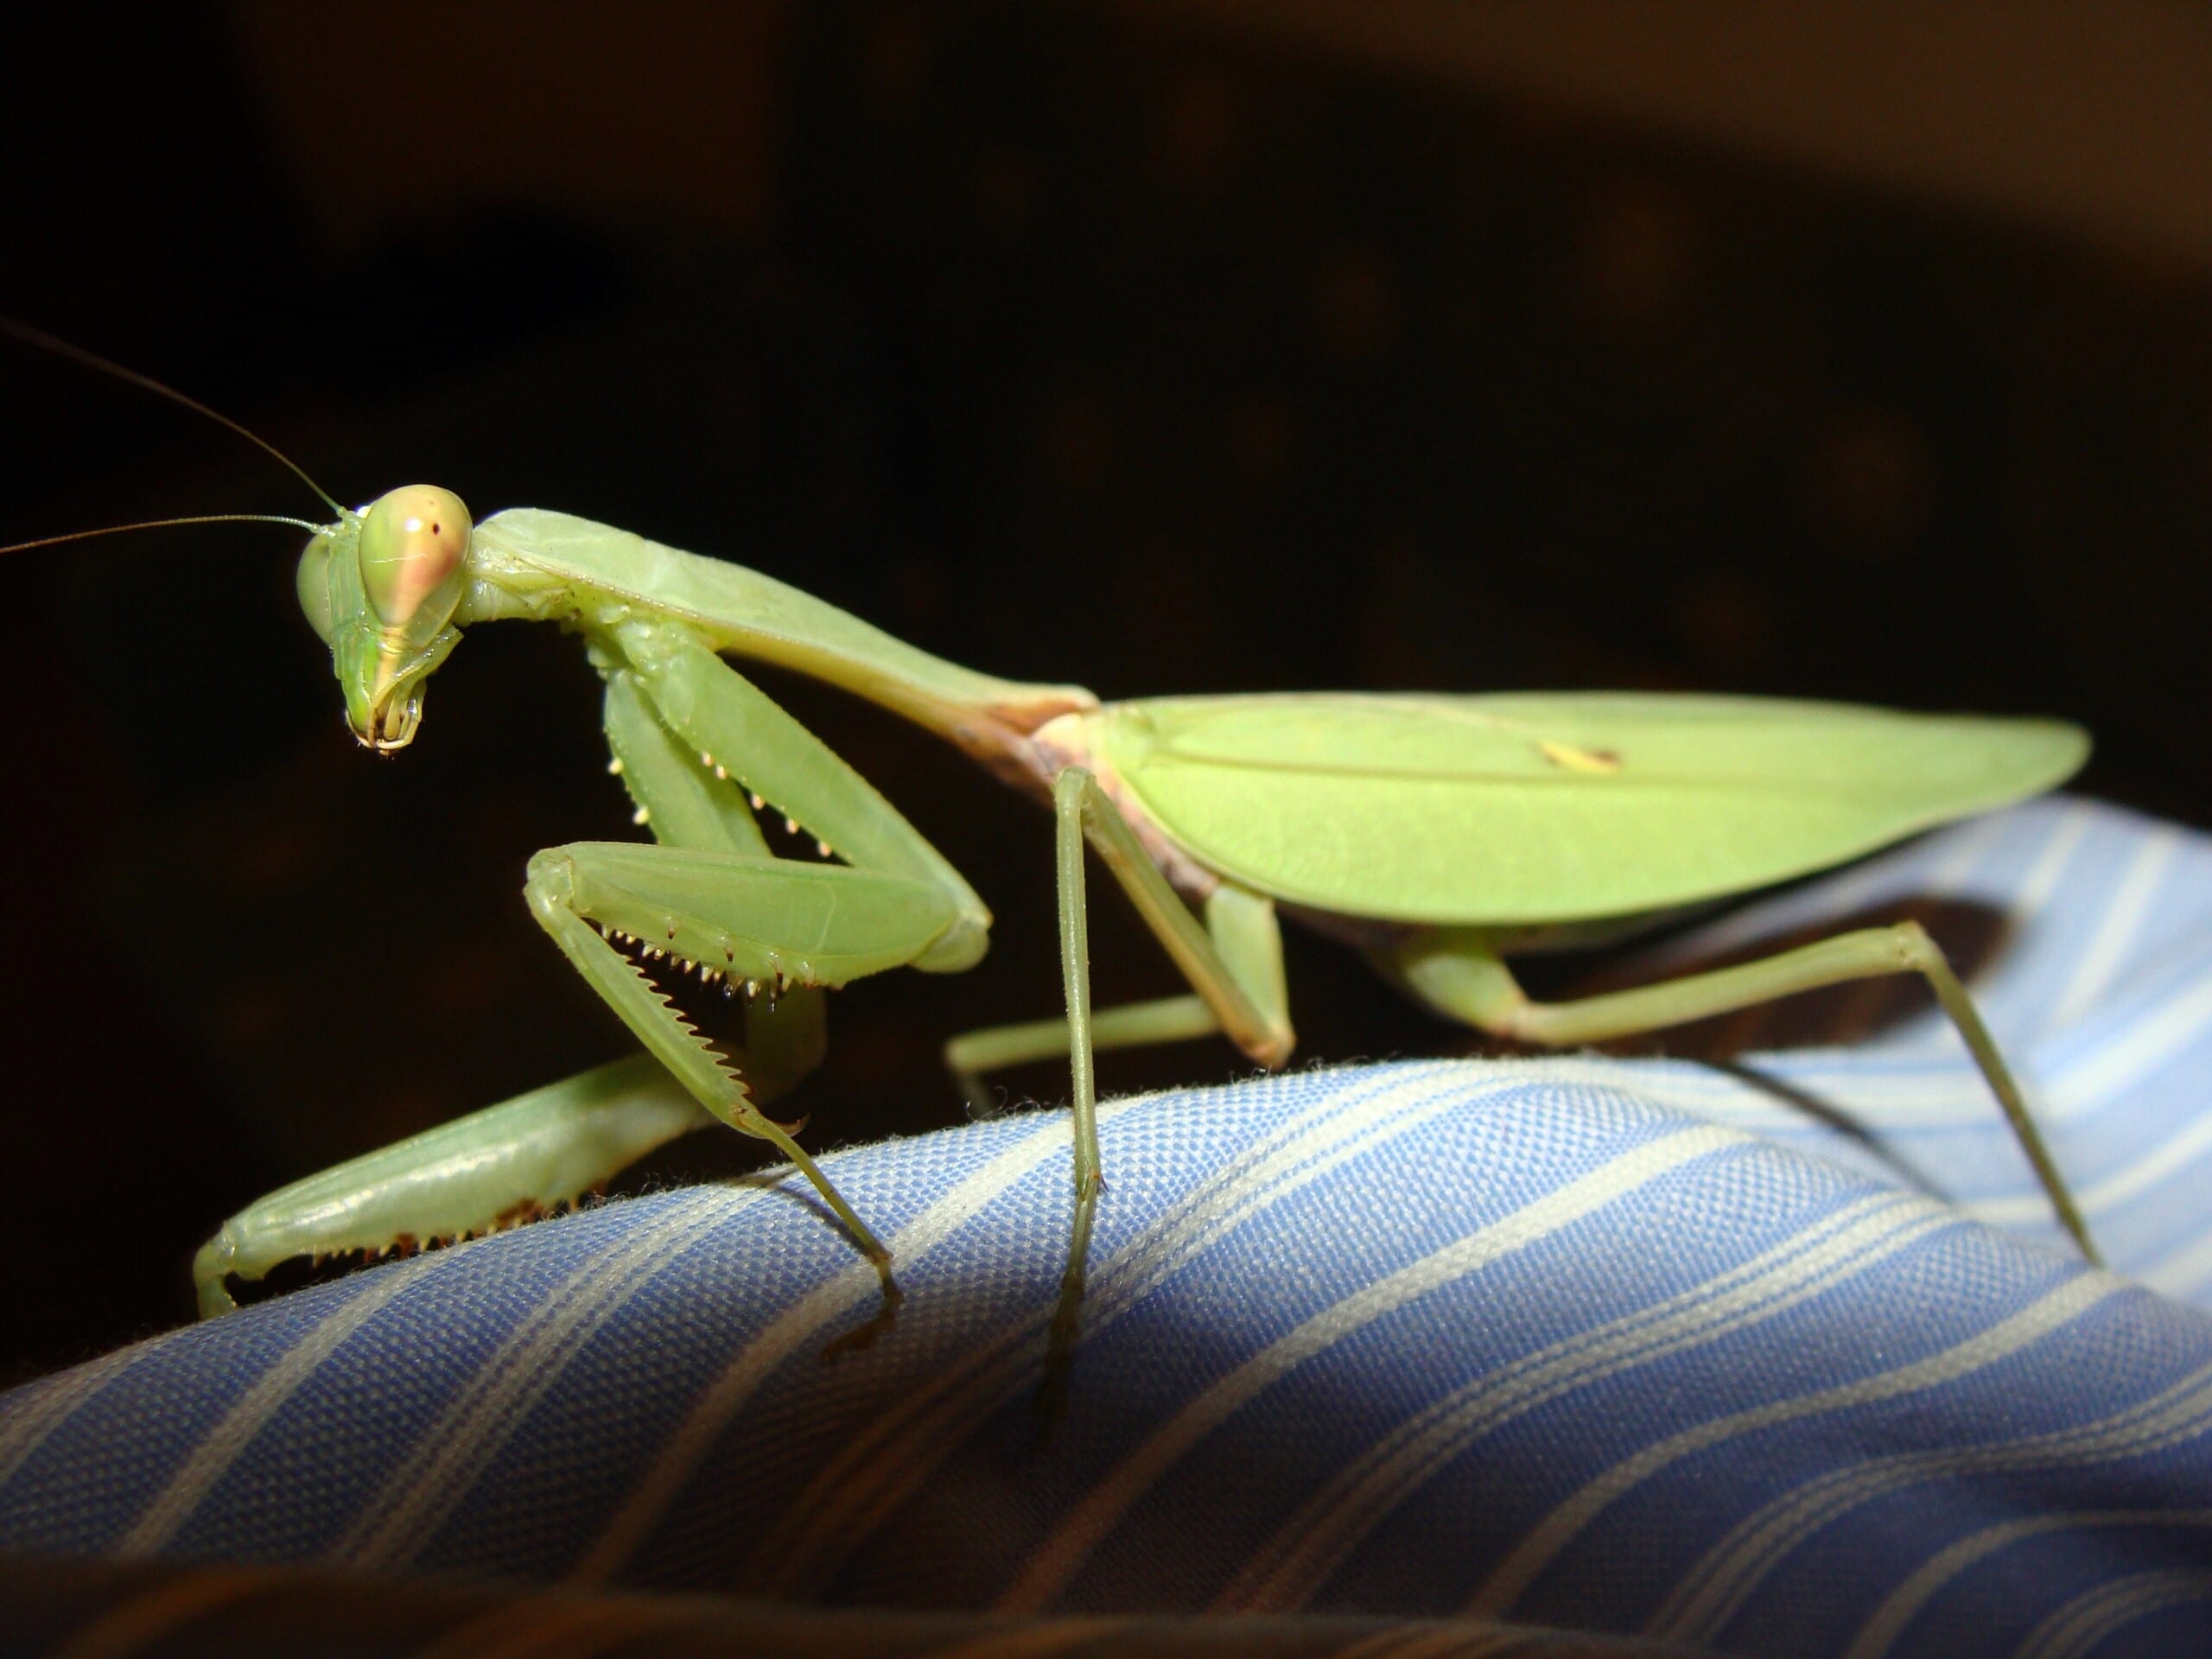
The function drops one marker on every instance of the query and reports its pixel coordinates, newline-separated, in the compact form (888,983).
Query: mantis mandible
(1437,835)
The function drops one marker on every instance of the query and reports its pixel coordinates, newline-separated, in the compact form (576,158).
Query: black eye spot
(437,529)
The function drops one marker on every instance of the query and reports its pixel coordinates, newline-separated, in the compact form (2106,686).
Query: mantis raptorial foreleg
(709,900)
(1459,972)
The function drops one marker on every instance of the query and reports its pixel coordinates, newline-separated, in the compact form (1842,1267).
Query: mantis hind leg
(1459,973)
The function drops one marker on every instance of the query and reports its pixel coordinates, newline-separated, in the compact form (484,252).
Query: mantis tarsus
(1436,834)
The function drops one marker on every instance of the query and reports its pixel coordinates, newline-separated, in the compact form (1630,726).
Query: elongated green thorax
(530,563)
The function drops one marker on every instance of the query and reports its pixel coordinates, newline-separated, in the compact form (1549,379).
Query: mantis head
(381,587)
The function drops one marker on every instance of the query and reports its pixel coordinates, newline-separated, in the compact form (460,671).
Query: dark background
(1192,348)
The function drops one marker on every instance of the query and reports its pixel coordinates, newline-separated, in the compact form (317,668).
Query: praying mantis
(1437,835)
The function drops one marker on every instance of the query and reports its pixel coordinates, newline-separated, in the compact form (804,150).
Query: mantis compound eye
(314,584)
(415,557)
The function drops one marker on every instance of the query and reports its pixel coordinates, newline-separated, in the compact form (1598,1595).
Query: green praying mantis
(1436,834)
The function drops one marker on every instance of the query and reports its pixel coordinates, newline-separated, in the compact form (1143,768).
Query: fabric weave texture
(1635,1347)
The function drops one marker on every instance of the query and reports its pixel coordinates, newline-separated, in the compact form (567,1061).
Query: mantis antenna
(16,328)
(163,524)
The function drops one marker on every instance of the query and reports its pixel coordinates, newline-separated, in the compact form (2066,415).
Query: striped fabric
(1637,1347)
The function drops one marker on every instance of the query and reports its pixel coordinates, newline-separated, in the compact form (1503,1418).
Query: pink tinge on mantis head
(412,557)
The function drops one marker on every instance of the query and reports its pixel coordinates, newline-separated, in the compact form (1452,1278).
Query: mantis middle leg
(1234,964)
(1459,972)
